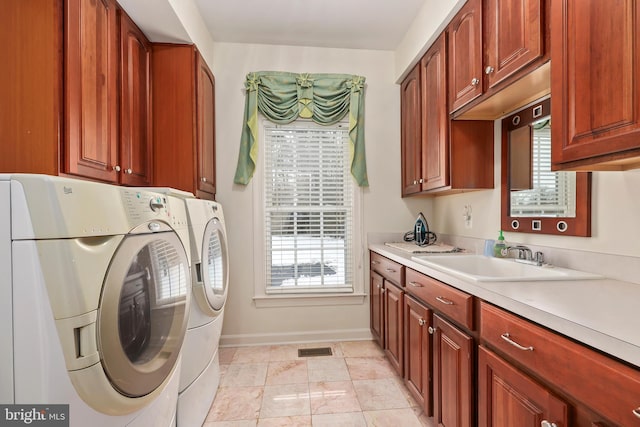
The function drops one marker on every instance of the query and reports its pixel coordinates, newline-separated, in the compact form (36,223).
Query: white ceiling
(356,24)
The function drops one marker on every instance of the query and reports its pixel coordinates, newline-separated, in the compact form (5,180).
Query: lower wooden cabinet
(507,397)
(418,349)
(453,392)
(376,307)
(393,307)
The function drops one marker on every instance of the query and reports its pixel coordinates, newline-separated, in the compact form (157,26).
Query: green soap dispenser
(500,247)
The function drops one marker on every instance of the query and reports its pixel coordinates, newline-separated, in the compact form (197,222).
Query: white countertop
(602,313)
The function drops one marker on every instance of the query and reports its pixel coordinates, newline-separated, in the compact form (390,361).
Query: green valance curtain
(283,97)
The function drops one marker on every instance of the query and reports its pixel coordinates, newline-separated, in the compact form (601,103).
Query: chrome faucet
(526,256)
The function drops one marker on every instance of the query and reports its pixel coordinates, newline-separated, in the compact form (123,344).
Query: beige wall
(384,209)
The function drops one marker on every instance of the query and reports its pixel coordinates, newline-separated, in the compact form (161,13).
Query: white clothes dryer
(200,372)
(94,297)
(200,377)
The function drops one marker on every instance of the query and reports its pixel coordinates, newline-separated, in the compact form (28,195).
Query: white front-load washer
(200,375)
(95,299)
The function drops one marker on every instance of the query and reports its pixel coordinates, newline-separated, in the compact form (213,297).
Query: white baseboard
(242,340)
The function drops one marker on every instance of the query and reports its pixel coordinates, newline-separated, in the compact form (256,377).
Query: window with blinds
(309,209)
(552,193)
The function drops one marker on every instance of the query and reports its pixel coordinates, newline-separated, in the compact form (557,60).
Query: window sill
(308,300)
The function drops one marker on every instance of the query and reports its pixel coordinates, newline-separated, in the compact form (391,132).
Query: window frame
(262,298)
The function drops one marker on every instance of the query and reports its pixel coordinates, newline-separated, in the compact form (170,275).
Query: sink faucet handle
(539,258)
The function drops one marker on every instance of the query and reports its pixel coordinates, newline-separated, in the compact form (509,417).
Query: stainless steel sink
(488,269)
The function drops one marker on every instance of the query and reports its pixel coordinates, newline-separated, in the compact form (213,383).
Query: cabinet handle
(375,262)
(444,300)
(382,290)
(431,330)
(416,284)
(422,322)
(474,82)
(389,270)
(488,70)
(507,338)
(128,171)
(116,168)
(379,286)
(204,179)
(546,423)
(636,412)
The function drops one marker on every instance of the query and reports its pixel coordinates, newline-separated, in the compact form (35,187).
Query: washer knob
(156,203)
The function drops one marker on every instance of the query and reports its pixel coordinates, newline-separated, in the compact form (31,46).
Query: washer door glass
(215,264)
(143,312)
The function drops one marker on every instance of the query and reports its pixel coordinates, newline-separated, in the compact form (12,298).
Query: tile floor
(269,386)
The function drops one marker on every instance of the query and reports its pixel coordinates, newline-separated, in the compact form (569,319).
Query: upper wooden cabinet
(513,37)
(136,148)
(91,81)
(439,155)
(497,49)
(79,99)
(206,136)
(434,147)
(465,55)
(183,122)
(411,138)
(595,72)
(31,89)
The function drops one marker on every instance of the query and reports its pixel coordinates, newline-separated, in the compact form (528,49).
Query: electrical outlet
(468,220)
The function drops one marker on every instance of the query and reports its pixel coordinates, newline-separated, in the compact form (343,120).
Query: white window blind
(309,209)
(553,193)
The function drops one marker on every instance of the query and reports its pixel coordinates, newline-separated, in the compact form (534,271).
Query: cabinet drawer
(601,383)
(451,302)
(388,269)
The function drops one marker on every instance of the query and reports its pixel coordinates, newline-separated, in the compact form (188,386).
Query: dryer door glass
(143,312)
(215,264)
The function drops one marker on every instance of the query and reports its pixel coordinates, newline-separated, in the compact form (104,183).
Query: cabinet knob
(116,168)
(421,180)
(475,82)
(488,70)
(422,322)
(636,412)
(204,179)
(546,423)
(415,181)
(431,330)
(128,171)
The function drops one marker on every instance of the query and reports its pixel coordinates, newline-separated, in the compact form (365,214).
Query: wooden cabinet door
(508,398)
(393,305)
(410,132)
(417,352)
(206,136)
(452,375)
(434,117)
(376,314)
(514,37)
(135,105)
(595,76)
(465,55)
(91,77)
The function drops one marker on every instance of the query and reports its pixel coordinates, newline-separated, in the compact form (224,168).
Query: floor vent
(320,351)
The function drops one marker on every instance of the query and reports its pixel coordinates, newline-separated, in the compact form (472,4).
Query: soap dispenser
(500,248)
